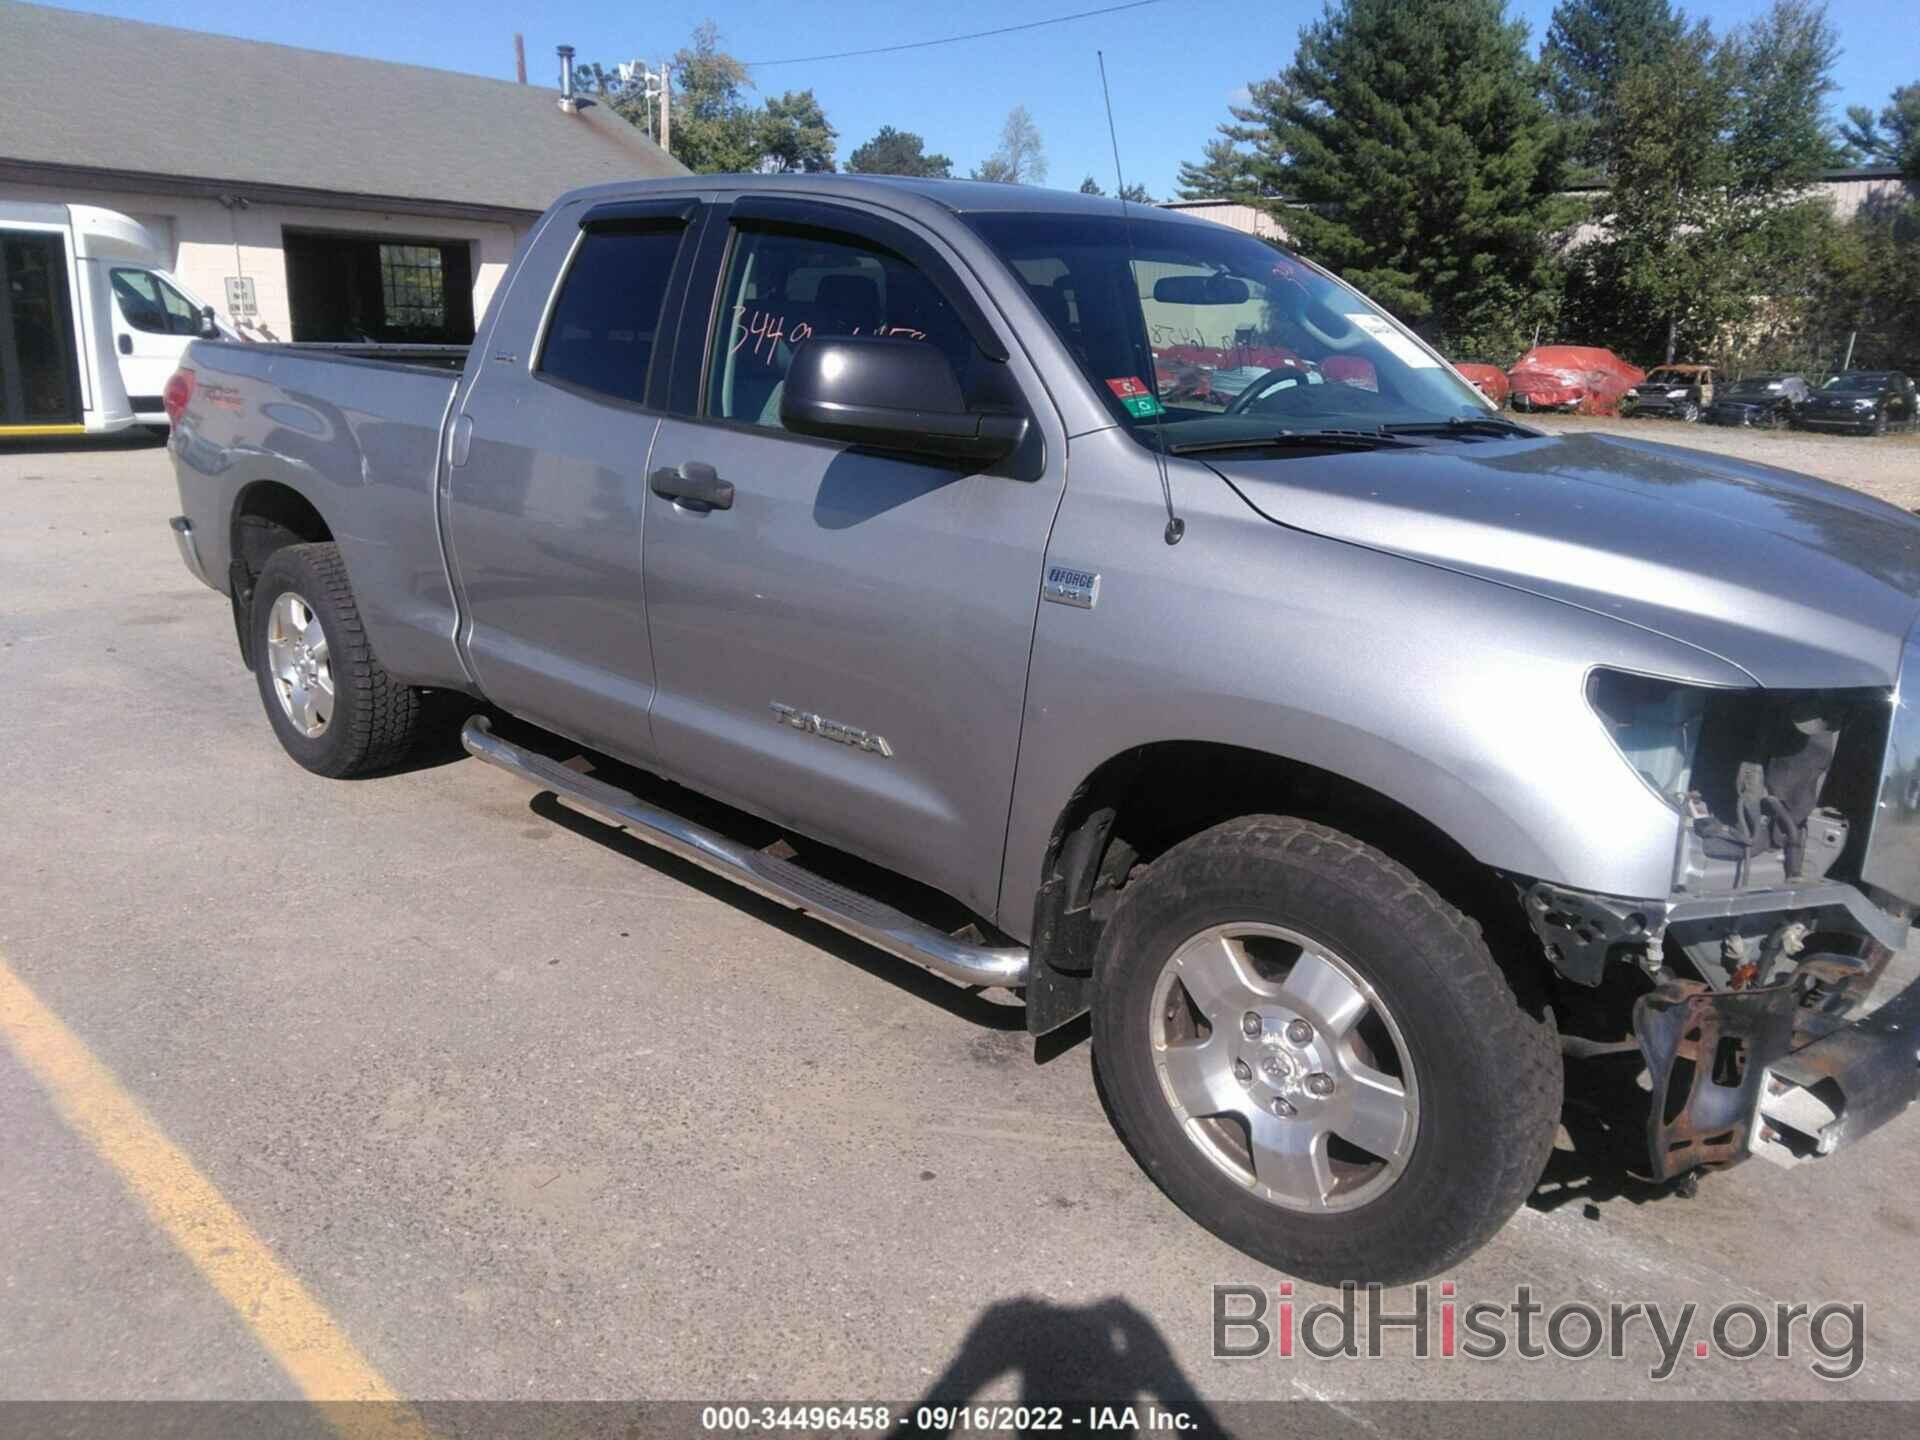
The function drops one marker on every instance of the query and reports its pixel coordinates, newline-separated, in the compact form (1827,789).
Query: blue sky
(1173,66)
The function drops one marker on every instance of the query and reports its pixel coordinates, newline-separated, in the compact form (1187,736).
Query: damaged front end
(1779,996)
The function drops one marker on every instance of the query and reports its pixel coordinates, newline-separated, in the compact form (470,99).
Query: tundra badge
(832,730)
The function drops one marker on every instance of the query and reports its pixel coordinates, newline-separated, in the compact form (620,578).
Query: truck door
(153,323)
(548,469)
(842,645)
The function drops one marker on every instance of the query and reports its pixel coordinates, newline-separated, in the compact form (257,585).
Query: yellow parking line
(293,1327)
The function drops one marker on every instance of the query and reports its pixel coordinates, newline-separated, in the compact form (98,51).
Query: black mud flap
(240,592)
(1707,1052)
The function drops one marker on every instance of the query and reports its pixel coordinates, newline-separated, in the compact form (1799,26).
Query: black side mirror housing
(209,327)
(891,393)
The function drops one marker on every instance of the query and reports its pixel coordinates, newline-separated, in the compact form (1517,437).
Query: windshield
(1756,385)
(1671,377)
(1200,331)
(1858,380)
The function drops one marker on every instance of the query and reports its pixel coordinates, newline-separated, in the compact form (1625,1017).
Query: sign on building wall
(240,301)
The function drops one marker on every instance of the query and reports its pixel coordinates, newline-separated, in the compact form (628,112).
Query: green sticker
(1143,407)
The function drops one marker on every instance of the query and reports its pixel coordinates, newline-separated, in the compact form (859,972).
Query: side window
(138,294)
(182,318)
(784,287)
(606,322)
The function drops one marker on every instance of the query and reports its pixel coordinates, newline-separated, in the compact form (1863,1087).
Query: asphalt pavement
(531,1111)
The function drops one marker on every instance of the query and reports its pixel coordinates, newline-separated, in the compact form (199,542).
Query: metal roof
(162,102)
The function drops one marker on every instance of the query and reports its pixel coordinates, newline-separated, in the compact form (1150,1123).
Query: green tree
(795,135)
(1091,186)
(1709,239)
(1892,138)
(1021,157)
(1782,68)
(898,152)
(1417,160)
(714,129)
(1230,164)
(1590,45)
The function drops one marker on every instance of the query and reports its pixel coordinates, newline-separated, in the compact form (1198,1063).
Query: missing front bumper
(1728,1081)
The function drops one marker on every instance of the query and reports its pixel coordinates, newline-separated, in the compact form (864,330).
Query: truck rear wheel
(328,698)
(1316,1057)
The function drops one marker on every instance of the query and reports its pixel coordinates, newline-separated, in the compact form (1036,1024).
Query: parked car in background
(1682,391)
(1867,402)
(1769,400)
(1583,379)
(1489,380)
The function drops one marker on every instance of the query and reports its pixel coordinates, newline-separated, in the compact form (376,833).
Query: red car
(1489,380)
(1579,379)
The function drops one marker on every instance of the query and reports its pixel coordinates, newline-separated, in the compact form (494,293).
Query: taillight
(178,395)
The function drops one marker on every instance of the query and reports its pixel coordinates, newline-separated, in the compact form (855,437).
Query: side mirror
(891,393)
(209,327)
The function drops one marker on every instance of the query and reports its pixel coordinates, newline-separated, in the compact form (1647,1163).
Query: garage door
(389,288)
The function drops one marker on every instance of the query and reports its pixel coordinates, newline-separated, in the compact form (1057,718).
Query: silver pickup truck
(1171,616)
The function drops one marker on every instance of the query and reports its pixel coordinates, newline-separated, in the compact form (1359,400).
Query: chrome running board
(778,880)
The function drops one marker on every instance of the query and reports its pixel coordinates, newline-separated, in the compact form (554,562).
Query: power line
(953,39)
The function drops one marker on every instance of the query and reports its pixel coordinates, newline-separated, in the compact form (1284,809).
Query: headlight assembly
(1655,724)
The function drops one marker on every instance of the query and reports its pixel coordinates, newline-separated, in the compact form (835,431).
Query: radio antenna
(1176,527)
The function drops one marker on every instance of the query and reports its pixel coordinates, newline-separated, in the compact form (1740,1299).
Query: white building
(333,197)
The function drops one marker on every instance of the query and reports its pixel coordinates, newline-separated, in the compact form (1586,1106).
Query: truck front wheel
(328,698)
(1316,1057)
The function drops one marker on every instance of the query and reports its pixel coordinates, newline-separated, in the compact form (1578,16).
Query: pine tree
(1416,159)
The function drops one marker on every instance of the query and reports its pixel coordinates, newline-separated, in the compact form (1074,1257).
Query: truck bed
(360,435)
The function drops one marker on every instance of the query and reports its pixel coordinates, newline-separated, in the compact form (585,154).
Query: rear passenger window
(607,320)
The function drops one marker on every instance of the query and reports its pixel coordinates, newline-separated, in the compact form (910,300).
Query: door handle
(126,344)
(695,485)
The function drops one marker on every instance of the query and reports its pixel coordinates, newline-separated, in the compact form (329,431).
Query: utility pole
(666,106)
(519,57)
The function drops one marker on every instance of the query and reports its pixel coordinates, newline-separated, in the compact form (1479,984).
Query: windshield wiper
(1464,425)
(1293,440)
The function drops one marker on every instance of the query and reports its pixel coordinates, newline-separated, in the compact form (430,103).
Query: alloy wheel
(1284,1068)
(300,664)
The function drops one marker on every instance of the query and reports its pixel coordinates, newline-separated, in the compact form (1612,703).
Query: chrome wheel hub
(1284,1068)
(300,664)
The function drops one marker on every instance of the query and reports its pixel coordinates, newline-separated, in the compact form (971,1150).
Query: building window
(414,287)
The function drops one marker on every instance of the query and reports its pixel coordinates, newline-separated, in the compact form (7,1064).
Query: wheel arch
(1138,803)
(268,515)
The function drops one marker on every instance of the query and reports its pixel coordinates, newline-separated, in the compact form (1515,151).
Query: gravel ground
(1888,467)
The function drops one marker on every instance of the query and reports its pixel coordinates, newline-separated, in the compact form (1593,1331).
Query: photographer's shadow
(1107,1353)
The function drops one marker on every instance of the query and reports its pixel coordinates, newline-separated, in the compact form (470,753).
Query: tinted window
(148,303)
(783,288)
(607,319)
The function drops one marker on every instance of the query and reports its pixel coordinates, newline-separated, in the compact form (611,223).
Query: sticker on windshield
(1401,347)
(1141,402)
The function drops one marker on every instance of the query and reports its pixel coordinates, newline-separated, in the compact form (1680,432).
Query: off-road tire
(375,718)
(1488,1072)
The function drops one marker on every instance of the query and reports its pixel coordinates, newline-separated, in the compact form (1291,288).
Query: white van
(91,324)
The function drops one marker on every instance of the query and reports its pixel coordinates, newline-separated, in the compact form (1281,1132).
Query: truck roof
(900,191)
